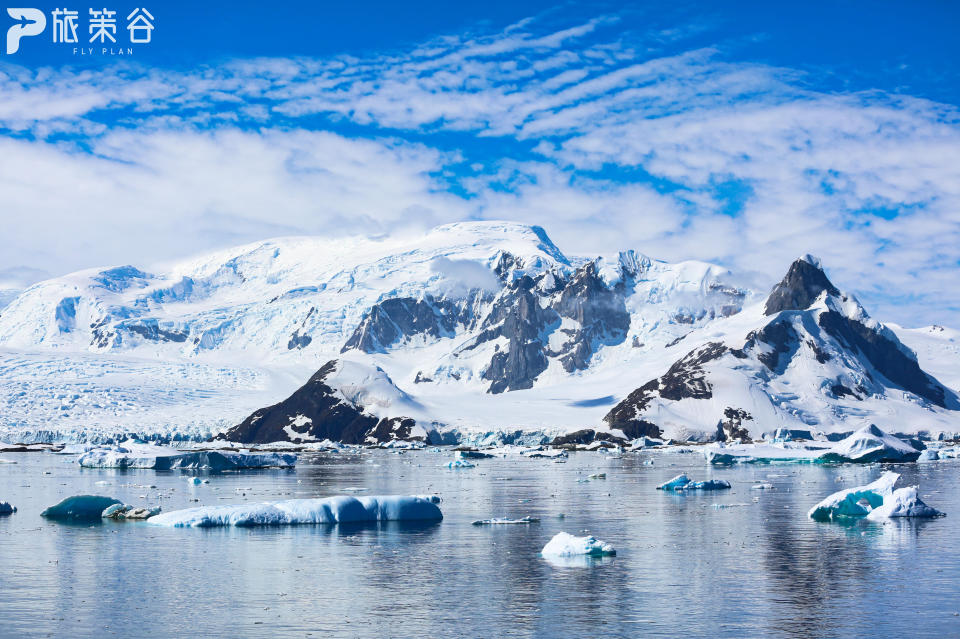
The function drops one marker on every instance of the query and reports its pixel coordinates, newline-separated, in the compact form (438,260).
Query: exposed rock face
(517,317)
(576,313)
(395,320)
(685,379)
(801,286)
(316,412)
(731,427)
(887,357)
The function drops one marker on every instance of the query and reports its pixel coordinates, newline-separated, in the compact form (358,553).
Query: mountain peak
(800,287)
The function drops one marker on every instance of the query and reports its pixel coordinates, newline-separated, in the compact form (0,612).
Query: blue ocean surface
(733,563)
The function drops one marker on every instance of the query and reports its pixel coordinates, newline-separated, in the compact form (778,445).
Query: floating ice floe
(459,463)
(122,512)
(472,454)
(682,482)
(928,455)
(327,510)
(498,521)
(7,461)
(566,545)
(196,481)
(80,508)
(162,458)
(875,501)
(536,453)
(597,476)
(867,445)
(762,486)
(6,508)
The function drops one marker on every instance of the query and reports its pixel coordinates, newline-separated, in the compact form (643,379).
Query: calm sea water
(683,568)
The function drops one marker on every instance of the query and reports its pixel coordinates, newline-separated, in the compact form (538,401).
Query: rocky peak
(801,286)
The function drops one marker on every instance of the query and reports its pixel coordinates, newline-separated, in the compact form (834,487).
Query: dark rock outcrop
(801,286)
(887,357)
(731,426)
(316,412)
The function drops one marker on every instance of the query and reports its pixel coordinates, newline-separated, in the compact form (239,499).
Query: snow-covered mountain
(472,329)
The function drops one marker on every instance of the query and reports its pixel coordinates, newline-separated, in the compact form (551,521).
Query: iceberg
(876,501)
(6,508)
(499,521)
(80,508)
(905,502)
(121,512)
(869,445)
(928,455)
(682,482)
(327,510)
(566,545)
(162,458)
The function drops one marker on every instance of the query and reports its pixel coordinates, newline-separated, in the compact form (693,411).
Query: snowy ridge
(480,332)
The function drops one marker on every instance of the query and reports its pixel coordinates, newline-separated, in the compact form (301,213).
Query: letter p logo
(32,22)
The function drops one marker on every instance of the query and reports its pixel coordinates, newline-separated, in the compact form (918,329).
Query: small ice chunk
(566,545)
(459,463)
(597,476)
(121,512)
(194,481)
(80,508)
(682,482)
(762,486)
(327,510)
(677,483)
(6,508)
(498,521)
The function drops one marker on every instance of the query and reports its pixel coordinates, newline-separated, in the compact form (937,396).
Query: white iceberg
(869,445)
(80,508)
(904,502)
(163,458)
(682,482)
(877,501)
(566,545)
(6,508)
(327,510)
(928,455)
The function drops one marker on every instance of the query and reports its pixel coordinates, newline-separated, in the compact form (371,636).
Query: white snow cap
(812,260)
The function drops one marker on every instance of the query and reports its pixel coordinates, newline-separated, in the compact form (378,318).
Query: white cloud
(185,161)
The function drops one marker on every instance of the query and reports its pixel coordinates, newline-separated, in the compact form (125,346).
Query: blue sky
(739,132)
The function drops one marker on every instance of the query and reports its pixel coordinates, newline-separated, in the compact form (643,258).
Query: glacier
(327,510)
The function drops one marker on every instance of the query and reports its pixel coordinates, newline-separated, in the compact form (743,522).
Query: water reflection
(761,568)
